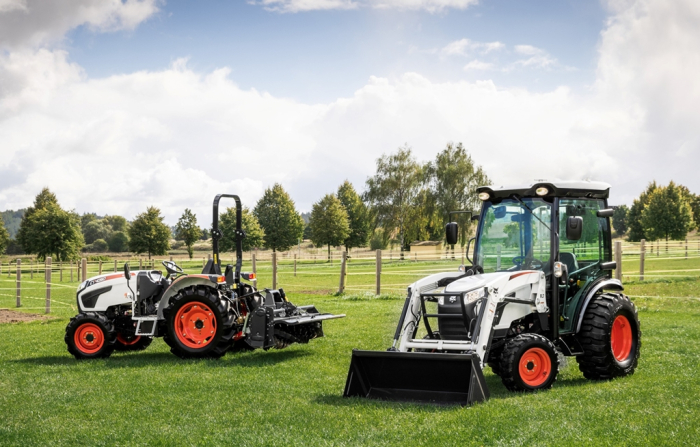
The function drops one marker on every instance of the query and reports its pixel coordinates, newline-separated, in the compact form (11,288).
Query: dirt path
(12,316)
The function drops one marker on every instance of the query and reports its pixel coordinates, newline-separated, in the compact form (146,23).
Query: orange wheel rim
(89,338)
(195,325)
(128,341)
(535,367)
(621,338)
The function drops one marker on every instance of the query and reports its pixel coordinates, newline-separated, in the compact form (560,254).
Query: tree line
(660,212)
(403,201)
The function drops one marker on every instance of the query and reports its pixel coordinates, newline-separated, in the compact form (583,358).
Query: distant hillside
(12,220)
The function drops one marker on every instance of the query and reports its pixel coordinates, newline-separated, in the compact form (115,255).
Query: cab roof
(578,188)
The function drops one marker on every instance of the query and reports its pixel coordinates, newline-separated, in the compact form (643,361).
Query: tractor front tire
(199,323)
(528,362)
(495,360)
(90,335)
(610,336)
(132,343)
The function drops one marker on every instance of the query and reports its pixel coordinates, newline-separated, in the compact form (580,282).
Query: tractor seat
(569,259)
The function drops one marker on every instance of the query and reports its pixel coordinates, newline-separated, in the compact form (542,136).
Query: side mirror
(607,212)
(127,272)
(452,233)
(608,265)
(574,228)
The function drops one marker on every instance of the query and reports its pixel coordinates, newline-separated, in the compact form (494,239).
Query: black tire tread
(508,366)
(143,343)
(597,361)
(207,296)
(85,317)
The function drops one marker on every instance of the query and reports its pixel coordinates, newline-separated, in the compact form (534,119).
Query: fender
(607,284)
(179,284)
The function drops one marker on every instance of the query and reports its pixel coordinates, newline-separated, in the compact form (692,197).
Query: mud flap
(416,376)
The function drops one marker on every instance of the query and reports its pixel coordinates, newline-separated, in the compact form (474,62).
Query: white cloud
(36,22)
(304,5)
(432,6)
(12,5)
(175,137)
(464,47)
(538,58)
(478,65)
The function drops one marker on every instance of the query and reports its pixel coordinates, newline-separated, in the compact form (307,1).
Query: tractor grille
(451,328)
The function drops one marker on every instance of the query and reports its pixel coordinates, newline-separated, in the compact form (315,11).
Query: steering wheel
(534,263)
(172,268)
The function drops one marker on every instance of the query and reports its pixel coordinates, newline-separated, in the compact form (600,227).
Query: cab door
(581,257)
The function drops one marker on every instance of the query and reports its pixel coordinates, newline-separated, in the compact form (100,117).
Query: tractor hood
(498,281)
(479,281)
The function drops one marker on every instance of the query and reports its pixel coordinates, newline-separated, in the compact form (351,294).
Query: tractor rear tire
(610,336)
(528,362)
(90,335)
(132,343)
(199,323)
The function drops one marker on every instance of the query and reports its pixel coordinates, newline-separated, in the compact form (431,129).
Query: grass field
(293,396)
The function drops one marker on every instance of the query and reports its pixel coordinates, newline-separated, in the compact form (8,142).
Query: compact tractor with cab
(539,285)
(201,315)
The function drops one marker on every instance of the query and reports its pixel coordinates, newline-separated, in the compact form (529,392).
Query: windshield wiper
(531,212)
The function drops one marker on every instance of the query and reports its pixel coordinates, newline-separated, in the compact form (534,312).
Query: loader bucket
(416,376)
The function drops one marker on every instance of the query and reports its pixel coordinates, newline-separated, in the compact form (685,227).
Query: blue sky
(318,56)
(117,105)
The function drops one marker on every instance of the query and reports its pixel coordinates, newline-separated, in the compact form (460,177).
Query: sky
(117,105)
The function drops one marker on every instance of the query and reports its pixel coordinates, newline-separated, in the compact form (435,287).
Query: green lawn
(293,396)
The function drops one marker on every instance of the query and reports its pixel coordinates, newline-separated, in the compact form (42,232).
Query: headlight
(474,295)
(82,286)
(484,196)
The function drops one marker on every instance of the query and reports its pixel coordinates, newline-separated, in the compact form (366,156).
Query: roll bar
(216,234)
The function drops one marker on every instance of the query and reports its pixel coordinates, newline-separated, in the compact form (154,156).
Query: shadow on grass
(147,359)
(496,389)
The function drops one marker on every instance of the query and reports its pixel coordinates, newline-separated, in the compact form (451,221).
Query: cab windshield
(512,238)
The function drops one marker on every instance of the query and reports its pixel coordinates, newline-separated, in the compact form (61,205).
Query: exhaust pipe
(416,376)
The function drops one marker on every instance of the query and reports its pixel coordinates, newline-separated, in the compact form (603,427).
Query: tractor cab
(560,228)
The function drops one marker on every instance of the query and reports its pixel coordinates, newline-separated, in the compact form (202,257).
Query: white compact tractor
(200,315)
(539,285)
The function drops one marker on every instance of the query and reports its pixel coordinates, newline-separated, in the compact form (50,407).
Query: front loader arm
(411,317)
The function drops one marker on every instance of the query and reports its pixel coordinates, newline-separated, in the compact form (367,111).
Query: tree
(48,230)
(695,206)
(619,219)
(392,191)
(279,219)
(306,235)
(668,214)
(118,242)
(358,217)
(188,231)
(255,235)
(634,216)
(453,178)
(100,246)
(148,234)
(117,223)
(4,238)
(96,229)
(329,222)
(86,218)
